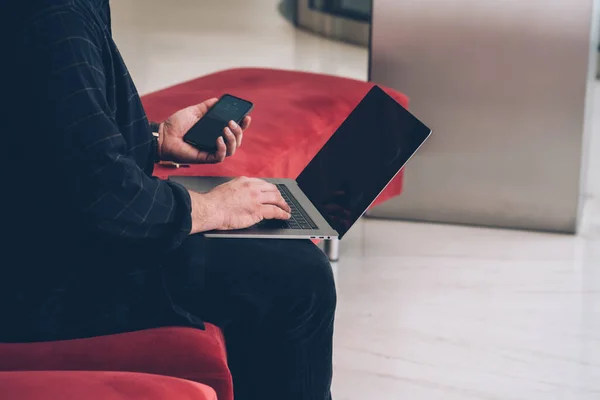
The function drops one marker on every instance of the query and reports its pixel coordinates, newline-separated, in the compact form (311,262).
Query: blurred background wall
(506,86)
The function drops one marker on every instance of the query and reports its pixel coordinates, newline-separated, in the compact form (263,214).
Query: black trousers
(274,300)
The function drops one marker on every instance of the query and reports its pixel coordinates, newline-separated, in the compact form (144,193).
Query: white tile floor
(425,311)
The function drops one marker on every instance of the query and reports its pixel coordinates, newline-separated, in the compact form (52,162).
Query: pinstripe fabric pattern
(85,214)
(101,131)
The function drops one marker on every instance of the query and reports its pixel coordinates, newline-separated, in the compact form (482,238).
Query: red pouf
(186,353)
(294,114)
(53,385)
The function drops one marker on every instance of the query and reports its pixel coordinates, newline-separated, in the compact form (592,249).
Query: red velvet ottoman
(186,353)
(53,385)
(294,114)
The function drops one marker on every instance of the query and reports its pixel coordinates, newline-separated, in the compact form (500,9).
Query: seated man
(95,245)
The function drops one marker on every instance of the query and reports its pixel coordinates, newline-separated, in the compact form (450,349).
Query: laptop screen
(361,158)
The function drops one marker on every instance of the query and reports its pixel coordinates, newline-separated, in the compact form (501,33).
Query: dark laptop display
(364,154)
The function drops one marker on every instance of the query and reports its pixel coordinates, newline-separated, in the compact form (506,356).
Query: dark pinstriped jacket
(87,223)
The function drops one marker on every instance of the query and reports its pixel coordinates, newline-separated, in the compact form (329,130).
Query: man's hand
(171,146)
(237,204)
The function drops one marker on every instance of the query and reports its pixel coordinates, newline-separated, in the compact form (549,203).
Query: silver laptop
(345,177)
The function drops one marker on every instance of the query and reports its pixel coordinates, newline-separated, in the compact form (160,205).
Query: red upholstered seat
(294,115)
(52,385)
(178,352)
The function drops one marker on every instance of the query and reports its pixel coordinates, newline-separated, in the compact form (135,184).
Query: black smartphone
(207,130)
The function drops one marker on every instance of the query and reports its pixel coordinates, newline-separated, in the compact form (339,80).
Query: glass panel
(354,9)
(358,6)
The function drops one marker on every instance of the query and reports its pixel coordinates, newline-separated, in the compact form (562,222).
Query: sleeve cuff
(183,213)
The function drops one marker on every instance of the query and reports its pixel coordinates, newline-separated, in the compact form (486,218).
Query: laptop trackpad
(272,224)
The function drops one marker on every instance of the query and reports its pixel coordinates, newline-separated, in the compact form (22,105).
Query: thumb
(202,108)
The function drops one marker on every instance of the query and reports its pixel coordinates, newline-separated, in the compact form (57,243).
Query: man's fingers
(266,186)
(261,185)
(274,212)
(275,199)
(245,125)
(237,132)
(201,109)
(233,137)
(246,122)
(211,102)
(221,152)
(230,141)
(207,104)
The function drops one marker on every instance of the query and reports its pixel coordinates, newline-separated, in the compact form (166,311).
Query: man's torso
(46,247)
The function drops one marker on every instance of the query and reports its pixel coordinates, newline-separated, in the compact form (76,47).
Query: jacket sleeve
(113,196)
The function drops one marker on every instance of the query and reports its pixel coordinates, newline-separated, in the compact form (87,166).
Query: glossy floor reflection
(445,312)
(425,311)
(429,312)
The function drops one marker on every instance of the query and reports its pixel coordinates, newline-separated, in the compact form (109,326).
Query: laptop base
(266,229)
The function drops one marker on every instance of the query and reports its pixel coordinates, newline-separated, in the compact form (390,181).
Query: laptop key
(299,216)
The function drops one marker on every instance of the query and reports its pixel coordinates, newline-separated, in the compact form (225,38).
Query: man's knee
(319,278)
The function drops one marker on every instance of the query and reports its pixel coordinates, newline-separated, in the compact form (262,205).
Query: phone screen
(207,130)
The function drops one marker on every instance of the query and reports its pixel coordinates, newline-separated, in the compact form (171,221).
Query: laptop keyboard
(299,218)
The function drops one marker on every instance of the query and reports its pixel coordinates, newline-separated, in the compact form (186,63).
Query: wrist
(157,130)
(161,141)
(206,213)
